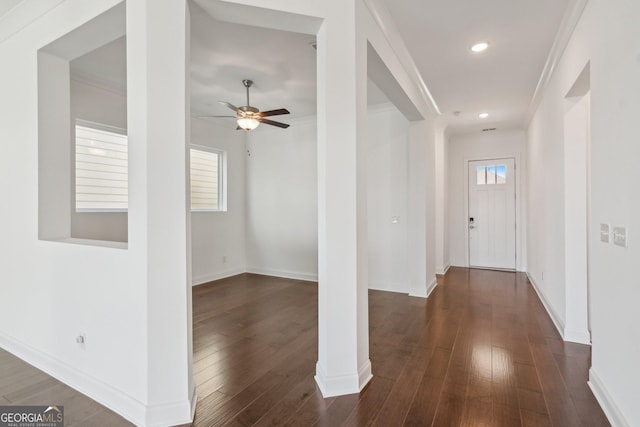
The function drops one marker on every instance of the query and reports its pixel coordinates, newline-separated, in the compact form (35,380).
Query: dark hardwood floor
(481,351)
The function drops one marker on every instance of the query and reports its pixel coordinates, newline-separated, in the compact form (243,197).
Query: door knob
(472,226)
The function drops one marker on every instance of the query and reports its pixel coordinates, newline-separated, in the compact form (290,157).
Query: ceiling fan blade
(231,106)
(208,117)
(274,112)
(272,123)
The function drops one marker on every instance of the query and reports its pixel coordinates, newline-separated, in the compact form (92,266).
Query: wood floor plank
(506,416)
(425,402)
(401,396)
(290,403)
(370,402)
(310,411)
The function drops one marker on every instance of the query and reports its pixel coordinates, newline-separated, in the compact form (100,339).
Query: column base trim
(341,385)
(580,337)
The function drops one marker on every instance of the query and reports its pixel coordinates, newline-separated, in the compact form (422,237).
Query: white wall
(282,194)
(282,200)
(218,238)
(109,107)
(607,36)
(475,146)
(132,305)
(387,194)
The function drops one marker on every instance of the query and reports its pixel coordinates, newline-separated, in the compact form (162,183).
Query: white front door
(492,214)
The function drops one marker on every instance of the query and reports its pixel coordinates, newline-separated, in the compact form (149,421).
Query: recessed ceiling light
(479,47)
(483,115)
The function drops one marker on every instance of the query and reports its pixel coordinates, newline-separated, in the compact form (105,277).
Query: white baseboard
(424,292)
(580,337)
(552,314)
(157,415)
(380,286)
(206,278)
(296,275)
(432,286)
(441,271)
(175,413)
(343,384)
(608,405)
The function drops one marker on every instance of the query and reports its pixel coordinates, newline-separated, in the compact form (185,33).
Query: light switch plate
(620,236)
(604,233)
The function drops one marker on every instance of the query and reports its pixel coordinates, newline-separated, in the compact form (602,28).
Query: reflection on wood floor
(481,351)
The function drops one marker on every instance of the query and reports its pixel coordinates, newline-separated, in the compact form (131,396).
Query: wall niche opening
(82,134)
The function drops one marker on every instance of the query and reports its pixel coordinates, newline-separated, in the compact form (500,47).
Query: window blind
(205,180)
(101,170)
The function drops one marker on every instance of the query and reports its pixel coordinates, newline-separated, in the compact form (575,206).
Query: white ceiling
(438,34)
(500,81)
(7,5)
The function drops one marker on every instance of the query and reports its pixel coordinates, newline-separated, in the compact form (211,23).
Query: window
(101,168)
(207,179)
(494,174)
(102,172)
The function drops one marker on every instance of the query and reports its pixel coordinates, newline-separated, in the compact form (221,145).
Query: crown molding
(388,28)
(22,15)
(568,25)
(92,81)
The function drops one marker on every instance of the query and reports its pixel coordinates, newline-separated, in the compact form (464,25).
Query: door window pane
(481,177)
(501,174)
(491,174)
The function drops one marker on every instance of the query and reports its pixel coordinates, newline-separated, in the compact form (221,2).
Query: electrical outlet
(81,339)
(395,220)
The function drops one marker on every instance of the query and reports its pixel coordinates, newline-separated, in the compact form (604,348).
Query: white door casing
(492,213)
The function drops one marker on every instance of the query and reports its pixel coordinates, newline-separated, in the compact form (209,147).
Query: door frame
(520,228)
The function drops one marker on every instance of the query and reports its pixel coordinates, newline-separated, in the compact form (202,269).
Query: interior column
(343,337)
(157,81)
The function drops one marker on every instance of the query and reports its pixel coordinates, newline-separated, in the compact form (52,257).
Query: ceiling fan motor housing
(249,109)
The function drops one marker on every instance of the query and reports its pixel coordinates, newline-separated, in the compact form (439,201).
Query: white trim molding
(559,324)
(565,31)
(296,275)
(126,406)
(441,271)
(424,292)
(387,26)
(343,384)
(611,410)
(580,337)
(206,278)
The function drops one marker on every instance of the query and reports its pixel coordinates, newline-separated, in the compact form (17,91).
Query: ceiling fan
(248,117)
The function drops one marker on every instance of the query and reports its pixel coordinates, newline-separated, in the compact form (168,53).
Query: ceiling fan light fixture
(248,123)
(479,47)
